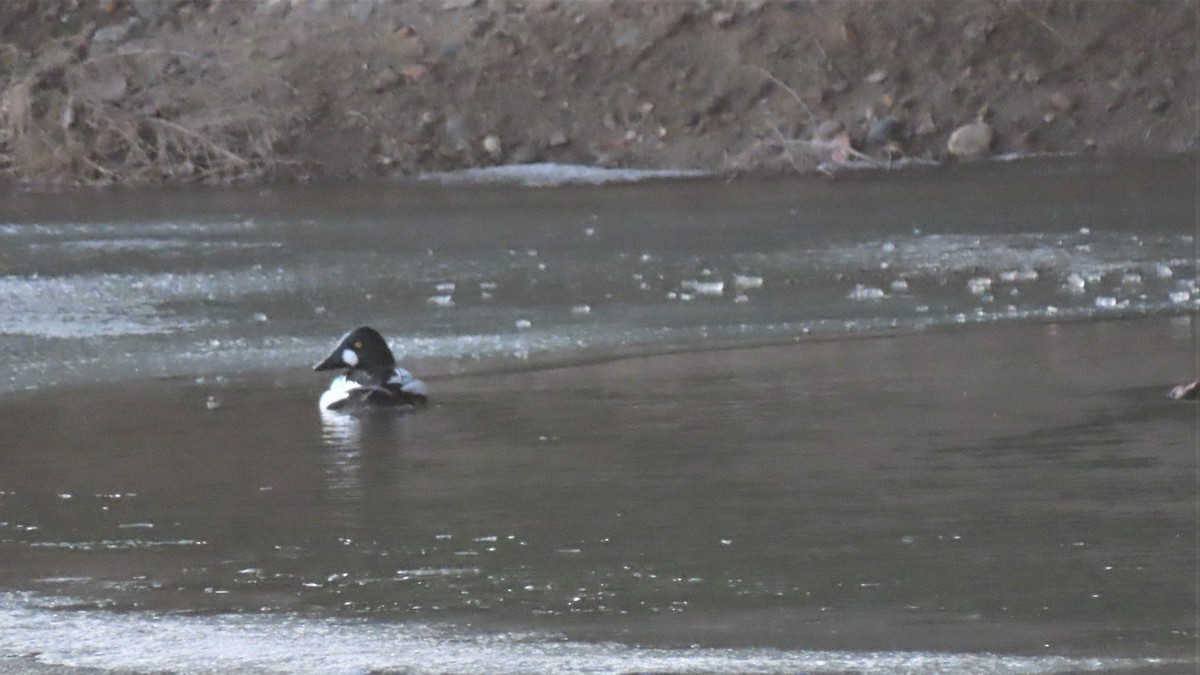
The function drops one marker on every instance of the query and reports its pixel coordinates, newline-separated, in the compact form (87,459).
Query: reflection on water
(361,447)
(990,490)
(942,495)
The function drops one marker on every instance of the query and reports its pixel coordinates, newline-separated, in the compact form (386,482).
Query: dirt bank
(165,92)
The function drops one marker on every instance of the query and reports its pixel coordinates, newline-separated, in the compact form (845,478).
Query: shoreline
(123,93)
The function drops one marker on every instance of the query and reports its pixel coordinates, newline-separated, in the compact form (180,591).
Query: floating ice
(440,300)
(1106,302)
(861,292)
(523,324)
(54,634)
(1179,297)
(445,287)
(581,309)
(746,281)
(979,285)
(703,287)
(1075,283)
(547,174)
(899,286)
(1018,276)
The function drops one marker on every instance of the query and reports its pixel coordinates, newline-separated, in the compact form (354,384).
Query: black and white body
(372,378)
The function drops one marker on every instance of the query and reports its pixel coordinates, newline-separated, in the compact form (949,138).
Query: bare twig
(812,120)
(1045,24)
(213,146)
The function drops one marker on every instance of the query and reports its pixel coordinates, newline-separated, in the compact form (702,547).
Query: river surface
(907,422)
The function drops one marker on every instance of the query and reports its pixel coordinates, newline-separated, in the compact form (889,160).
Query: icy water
(903,423)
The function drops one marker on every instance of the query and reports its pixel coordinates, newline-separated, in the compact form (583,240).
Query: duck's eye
(358,345)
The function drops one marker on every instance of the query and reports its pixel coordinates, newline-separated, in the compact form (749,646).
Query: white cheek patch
(350,357)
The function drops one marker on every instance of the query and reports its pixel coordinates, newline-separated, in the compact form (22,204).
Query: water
(904,423)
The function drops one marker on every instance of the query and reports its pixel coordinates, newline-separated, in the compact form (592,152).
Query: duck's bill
(331,362)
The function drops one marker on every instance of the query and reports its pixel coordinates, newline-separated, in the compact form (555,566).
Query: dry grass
(56,129)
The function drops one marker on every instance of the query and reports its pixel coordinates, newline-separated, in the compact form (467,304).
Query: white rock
(970,140)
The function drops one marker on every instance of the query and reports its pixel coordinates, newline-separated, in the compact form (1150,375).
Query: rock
(970,140)
(1158,105)
(414,72)
(877,76)
(1062,101)
(722,19)
(386,79)
(884,132)
(558,139)
(925,125)
(449,5)
(491,144)
(409,47)
(542,5)
(456,129)
(111,35)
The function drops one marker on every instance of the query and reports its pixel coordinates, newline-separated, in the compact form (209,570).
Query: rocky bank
(156,92)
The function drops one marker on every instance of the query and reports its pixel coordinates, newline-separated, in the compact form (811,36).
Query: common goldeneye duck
(372,377)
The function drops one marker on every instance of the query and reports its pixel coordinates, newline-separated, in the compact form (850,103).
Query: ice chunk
(747,281)
(860,292)
(979,285)
(703,287)
(1075,283)
(1018,276)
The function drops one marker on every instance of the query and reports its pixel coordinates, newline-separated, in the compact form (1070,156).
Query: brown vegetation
(166,92)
